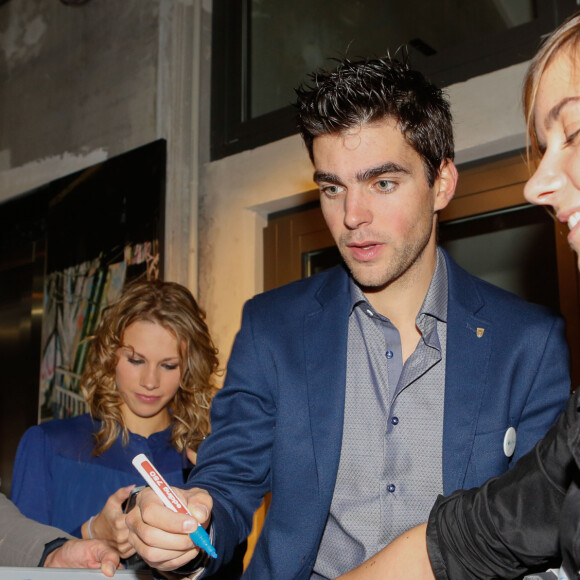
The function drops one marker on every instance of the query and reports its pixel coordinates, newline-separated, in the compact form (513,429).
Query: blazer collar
(334,287)
(464,293)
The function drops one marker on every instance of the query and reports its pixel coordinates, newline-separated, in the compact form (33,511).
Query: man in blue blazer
(359,395)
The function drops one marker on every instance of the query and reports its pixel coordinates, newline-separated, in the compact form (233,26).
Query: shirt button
(389,354)
(391,488)
(395,420)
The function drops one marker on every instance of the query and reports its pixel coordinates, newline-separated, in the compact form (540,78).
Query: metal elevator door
(21,279)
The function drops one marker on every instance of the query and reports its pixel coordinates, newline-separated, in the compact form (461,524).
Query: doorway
(488,228)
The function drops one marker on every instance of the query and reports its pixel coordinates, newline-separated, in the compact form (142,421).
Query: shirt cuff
(51,547)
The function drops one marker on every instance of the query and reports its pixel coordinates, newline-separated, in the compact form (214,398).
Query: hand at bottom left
(84,554)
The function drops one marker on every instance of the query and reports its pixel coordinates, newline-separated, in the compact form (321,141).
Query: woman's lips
(147,398)
(573,220)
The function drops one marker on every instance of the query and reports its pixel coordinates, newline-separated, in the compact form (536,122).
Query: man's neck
(401,300)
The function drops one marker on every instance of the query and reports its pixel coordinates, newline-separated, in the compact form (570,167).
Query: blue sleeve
(31,478)
(234,462)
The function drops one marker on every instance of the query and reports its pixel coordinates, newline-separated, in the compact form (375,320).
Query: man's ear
(445,184)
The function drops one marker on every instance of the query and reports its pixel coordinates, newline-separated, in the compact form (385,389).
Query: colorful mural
(73,301)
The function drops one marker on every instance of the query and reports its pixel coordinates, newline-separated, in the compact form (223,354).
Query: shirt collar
(435,303)
(356,295)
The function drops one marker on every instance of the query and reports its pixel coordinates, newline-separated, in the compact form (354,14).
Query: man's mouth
(365,251)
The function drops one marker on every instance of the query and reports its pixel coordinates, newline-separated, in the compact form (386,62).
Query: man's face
(377,202)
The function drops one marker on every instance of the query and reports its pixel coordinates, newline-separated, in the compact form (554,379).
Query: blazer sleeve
(234,461)
(509,525)
(31,489)
(22,540)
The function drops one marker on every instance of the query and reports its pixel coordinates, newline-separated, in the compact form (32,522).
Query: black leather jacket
(523,521)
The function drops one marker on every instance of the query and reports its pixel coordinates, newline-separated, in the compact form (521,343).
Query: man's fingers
(166,535)
(166,559)
(108,560)
(164,551)
(109,563)
(160,535)
(161,517)
(200,506)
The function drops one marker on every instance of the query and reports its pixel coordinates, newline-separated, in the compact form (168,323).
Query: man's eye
(385,185)
(331,190)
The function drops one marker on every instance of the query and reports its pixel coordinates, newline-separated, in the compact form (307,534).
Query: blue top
(57,481)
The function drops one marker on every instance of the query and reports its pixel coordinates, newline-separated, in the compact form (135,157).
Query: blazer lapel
(325,340)
(469,340)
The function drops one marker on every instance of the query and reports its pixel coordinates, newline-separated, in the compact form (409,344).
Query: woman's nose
(546,182)
(149,378)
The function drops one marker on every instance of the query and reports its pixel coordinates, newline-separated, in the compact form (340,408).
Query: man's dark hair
(369,91)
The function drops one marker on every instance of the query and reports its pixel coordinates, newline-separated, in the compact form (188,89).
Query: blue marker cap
(201,539)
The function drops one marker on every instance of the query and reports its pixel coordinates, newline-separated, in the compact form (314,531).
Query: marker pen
(168,497)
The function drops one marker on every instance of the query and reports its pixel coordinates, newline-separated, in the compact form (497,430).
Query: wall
(79,85)
(82,84)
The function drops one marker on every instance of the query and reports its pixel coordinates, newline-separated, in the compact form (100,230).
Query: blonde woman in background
(149,384)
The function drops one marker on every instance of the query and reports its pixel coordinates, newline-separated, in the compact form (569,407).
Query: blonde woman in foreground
(528,519)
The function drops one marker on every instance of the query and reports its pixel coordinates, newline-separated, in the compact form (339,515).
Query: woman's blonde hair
(565,37)
(173,307)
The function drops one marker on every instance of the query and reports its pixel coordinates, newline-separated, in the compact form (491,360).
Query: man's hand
(160,535)
(84,554)
(109,523)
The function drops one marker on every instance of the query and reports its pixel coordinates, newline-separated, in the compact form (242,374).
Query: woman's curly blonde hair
(173,307)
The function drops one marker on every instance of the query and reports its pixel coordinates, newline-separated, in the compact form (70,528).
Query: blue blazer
(277,422)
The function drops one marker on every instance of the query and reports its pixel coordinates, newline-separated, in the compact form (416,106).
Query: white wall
(79,85)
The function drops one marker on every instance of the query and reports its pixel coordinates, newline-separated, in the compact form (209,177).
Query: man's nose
(357,211)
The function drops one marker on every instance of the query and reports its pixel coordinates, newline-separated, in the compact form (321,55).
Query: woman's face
(556,181)
(148,376)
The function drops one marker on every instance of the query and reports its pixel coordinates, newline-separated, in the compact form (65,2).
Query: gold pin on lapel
(480,332)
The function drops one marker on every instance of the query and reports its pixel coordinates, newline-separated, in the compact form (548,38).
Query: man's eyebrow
(557,109)
(388,167)
(365,175)
(320,176)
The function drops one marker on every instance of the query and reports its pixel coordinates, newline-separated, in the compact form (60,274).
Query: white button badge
(509,442)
